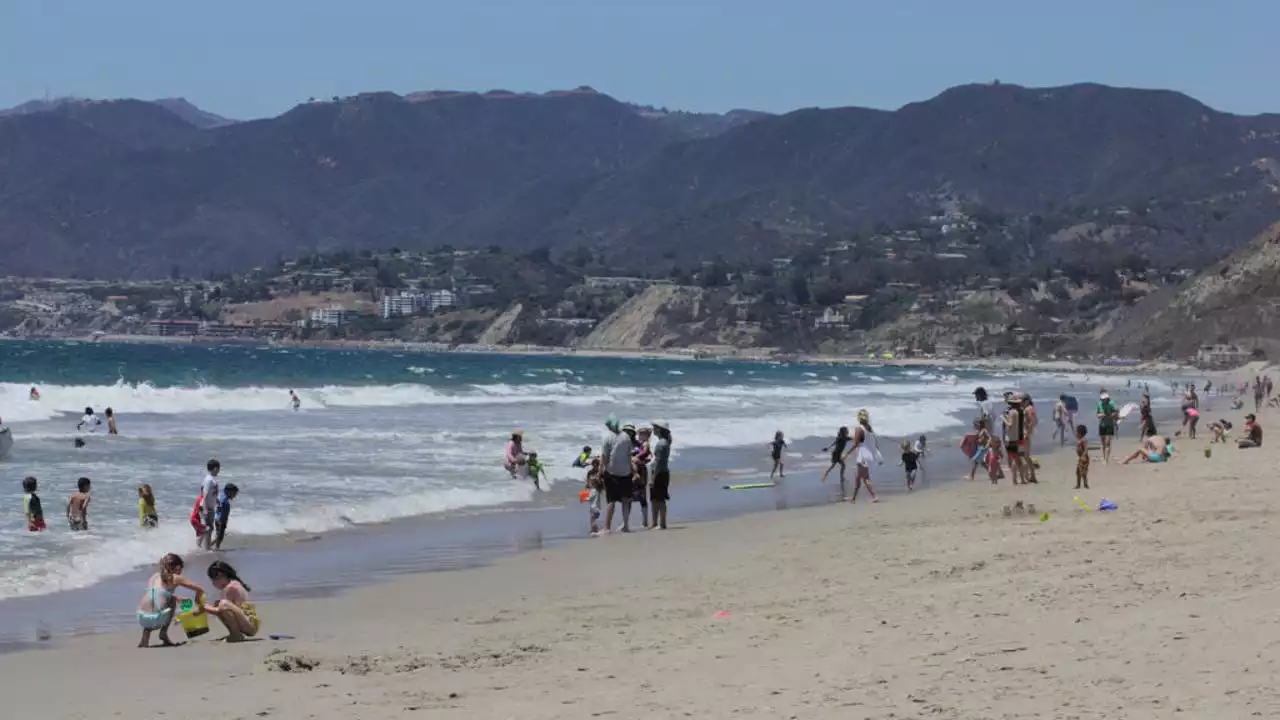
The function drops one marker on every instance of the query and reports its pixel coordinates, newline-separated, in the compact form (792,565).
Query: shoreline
(695,353)
(967,614)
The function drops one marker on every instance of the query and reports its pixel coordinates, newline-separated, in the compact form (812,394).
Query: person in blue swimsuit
(156,608)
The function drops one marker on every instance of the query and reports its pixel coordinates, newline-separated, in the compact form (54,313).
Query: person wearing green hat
(615,459)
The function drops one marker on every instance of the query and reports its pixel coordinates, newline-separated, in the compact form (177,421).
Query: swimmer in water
(584,457)
(294,401)
(34,395)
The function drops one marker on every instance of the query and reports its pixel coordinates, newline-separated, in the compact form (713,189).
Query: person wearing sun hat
(1108,415)
(659,492)
(615,462)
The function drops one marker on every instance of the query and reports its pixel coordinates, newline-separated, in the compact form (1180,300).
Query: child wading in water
(535,469)
(837,455)
(78,506)
(147,516)
(1082,457)
(595,489)
(223,514)
(31,505)
(910,463)
(775,451)
(155,610)
(234,609)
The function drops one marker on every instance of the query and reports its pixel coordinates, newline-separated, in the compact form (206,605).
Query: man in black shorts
(615,458)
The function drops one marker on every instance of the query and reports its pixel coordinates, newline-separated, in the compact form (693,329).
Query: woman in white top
(865,451)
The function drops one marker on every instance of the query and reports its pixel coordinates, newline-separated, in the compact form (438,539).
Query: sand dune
(928,606)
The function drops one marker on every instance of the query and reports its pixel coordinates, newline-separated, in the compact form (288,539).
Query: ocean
(385,436)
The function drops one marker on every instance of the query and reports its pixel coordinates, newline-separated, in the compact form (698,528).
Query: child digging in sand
(234,609)
(1082,457)
(155,610)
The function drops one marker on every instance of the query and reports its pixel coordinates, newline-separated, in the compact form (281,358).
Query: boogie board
(750,486)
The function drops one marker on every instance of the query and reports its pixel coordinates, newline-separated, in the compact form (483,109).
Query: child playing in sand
(775,451)
(1082,457)
(234,609)
(535,469)
(147,517)
(31,505)
(910,463)
(223,514)
(78,506)
(595,489)
(156,608)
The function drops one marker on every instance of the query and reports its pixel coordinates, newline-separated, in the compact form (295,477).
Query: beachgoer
(536,470)
(640,458)
(595,491)
(1190,410)
(583,458)
(90,422)
(1082,457)
(223,514)
(921,447)
(34,394)
(1030,420)
(147,516)
(1267,386)
(775,452)
(974,446)
(1219,428)
(1148,421)
(31,505)
(910,463)
(865,450)
(515,459)
(837,455)
(294,401)
(1014,433)
(661,490)
(986,410)
(208,505)
(1107,414)
(111,422)
(1060,421)
(1151,450)
(1259,393)
(238,615)
(995,446)
(78,506)
(156,608)
(1252,433)
(615,458)
(1072,406)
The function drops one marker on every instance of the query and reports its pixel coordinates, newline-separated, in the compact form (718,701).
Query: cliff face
(501,329)
(1235,301)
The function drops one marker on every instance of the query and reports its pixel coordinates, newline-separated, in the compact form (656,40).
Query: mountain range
(136,189)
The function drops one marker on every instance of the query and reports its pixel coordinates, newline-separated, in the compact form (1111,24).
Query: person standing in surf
(111,422)
(660,491)
(986,411)
(207,507)
(1108,415)
(775,451)
(90,422)
(865,451)
(514,460)
(615,458)
(294,401)
(837,447)
(640,459)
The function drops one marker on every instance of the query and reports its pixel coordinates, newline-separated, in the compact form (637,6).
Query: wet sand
(936,605)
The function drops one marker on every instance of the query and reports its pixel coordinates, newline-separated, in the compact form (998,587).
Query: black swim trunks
(640,490)
(617,488)
(660,491)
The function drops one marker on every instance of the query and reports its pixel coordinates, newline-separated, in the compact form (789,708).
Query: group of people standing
(1003,438)
(630,471)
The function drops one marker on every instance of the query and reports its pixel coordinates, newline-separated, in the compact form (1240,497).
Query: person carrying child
(237,614)
(31,505)
(156,608)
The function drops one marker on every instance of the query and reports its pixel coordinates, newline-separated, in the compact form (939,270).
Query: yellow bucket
(193,624)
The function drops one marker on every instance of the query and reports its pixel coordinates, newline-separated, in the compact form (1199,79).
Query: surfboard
(750,486)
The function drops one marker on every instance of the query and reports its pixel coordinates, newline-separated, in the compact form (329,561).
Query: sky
(247,59)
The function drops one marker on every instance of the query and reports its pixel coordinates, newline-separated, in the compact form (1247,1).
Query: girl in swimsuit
(155,610)
(234,609)
(837,455)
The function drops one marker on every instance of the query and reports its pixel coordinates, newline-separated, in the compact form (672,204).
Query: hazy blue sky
(248,59)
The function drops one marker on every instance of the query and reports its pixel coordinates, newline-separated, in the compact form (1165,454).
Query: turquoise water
(380,435)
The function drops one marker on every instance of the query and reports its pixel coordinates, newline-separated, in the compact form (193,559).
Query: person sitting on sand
(1152,450)
(156,608)
(1252,433)
(237,614)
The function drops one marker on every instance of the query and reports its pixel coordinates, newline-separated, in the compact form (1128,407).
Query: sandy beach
(934,605)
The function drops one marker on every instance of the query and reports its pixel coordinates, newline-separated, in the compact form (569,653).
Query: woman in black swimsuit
(837,447)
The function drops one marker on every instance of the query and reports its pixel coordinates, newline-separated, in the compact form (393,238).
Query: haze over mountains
(141,189)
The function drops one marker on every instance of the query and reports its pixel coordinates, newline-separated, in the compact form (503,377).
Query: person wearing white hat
(615,460)
(1108,414)
(659,492)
